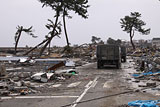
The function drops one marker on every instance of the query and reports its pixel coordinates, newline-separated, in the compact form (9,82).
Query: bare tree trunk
(132,43)
(35,47)
(65,30)
(52,35)
(49,51)
(17,40)
(131,39)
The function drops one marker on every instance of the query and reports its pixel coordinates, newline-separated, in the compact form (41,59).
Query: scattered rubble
(146,63)
(26,75)
(42,77)
(2,70)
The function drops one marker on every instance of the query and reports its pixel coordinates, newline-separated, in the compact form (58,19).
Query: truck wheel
(125,59)
(98,64)
(118,65)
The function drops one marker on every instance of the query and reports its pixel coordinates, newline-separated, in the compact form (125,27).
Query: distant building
(149,41)
(156,42)
(144,43)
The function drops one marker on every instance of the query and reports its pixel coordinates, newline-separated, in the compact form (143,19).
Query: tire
(124,59)
(99,64)
(118,65)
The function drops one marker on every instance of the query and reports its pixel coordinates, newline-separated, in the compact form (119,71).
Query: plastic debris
(68,71)
(145,74)
(144,103)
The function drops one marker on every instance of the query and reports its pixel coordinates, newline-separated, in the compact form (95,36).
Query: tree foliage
(20,29)
(95,39)
(63,7)
(112,41)
(133,23)
(18,33)
(50,26)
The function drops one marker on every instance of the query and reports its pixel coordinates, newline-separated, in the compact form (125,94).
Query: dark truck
(123,53)
(108,55)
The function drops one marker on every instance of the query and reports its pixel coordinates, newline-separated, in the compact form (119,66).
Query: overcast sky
(103,21)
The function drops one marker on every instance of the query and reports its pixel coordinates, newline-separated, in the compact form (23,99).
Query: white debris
(40,77)
(69,63)
(43,77)
(22,60)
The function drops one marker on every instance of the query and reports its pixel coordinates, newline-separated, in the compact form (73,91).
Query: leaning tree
(61,7)
(132,23)
(50,26)
(18,33)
